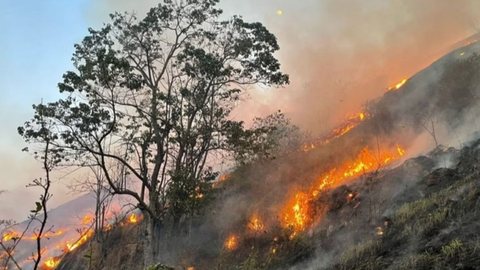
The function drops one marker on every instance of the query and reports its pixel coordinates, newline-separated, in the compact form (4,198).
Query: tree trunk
(151,240)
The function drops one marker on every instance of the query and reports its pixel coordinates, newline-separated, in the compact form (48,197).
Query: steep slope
(355,222)
(437,228)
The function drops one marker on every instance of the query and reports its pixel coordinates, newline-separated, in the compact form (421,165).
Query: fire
(231,243)
(298,214)
(221,179)
(398,85)
(255,223)
(83,239)
(133,219)
(51,263)
(47,235)
(350,123)
(11,235)
(343,130)
(88,219)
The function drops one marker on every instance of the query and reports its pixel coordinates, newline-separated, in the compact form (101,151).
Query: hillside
(381,202)
(433,224)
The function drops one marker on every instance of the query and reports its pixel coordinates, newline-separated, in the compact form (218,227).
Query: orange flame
(398,85)
(133,219)
(298,213)
(51,263)
(231,243)
(83,239)
(221,179)
(10,235)
(350,123)
(88,219)
(255,223)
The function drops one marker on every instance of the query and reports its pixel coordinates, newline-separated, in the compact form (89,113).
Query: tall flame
(298,214)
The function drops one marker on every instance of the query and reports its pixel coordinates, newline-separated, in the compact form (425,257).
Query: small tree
(40,134)
(428,123)
(153,96)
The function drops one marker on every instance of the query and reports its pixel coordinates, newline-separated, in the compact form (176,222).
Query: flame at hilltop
(344,128)
(398,85)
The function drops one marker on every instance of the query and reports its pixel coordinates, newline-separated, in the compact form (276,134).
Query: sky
(339,54)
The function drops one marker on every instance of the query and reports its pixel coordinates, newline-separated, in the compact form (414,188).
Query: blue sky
(339,54)
(36,45)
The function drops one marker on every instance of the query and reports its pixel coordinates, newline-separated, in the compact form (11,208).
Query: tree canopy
(149,100)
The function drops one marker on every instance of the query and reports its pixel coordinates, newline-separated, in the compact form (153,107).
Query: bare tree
(428,123)
(40,213)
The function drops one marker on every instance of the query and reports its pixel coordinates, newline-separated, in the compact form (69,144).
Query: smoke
(340,54)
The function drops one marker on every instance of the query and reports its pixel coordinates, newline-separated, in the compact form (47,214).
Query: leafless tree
(428,124)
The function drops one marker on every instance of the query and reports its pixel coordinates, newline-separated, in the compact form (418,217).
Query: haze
(340,54)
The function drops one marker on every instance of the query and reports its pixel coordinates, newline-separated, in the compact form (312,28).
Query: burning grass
(86,232)
(344,128)
(298,213)
(231,243)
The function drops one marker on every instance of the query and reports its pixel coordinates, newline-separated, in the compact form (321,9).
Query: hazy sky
(339,53)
